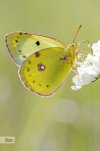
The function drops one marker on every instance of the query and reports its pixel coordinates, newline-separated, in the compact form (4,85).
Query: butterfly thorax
(71,51)
(73,47)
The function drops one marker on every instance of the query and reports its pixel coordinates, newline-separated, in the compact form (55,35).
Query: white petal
(77,80)
(89,69)
(87,78)
(96,48)
(76,87)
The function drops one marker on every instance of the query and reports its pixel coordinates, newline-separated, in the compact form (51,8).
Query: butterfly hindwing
(21,45)
(44,71)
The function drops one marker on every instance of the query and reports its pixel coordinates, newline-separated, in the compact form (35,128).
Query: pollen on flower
(88,70)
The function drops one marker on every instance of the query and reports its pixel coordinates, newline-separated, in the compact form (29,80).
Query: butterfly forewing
(22,45)
(44,71)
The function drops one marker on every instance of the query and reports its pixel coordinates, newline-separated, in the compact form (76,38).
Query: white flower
(89,69)
(96,48)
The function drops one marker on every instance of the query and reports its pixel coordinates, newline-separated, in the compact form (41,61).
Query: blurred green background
(68,121)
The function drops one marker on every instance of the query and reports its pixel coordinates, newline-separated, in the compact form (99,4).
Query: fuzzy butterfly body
(44,62)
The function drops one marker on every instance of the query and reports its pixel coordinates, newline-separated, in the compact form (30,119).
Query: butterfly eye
(74,46)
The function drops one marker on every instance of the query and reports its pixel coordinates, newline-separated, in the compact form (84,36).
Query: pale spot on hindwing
(41,67)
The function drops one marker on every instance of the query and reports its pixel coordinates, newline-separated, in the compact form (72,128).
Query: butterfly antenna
(77,33)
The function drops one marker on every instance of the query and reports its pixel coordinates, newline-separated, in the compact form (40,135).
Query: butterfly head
(73,47)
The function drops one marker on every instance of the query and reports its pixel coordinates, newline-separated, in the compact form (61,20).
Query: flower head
(89,69)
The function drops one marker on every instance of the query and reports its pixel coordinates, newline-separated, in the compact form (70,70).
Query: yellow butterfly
(44,62)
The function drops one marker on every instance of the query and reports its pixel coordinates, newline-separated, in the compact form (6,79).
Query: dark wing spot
(41,67)
(20,33)
(33,81)
(65,58)
(37,54)
(28,69)
(16,41)
(29,62)
(40,85)
(25,33)
(47,85)
(24,56)
(37,43)
(19,51)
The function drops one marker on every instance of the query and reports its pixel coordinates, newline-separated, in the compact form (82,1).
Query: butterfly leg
(74,69)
